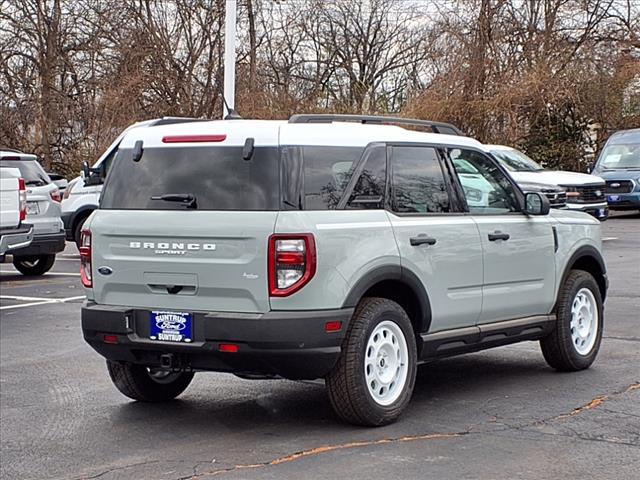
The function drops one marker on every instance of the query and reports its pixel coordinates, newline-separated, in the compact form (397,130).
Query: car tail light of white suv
(23,198)
(85,259)
(292,263)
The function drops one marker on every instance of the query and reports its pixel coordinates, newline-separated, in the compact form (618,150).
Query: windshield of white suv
(619,157)
(33,174)
(203,178)
(516,161)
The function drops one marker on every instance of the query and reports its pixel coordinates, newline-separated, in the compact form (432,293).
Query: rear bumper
(42,245)
(600,210)
(288,344)
(15,238)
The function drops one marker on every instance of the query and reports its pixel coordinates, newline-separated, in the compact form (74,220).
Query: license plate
(171,326)
(32,208)
(614,198)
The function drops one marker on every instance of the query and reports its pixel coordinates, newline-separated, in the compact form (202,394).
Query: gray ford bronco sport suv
(335,247)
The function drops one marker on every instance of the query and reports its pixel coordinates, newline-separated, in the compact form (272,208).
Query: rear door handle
(497,235)
(421,240)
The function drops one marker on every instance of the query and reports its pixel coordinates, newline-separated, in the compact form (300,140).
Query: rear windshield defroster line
(218,177)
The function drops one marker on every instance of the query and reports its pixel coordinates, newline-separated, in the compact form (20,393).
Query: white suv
(585,193)
(43,212)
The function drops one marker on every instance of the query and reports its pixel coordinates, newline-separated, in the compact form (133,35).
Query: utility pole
(229,56)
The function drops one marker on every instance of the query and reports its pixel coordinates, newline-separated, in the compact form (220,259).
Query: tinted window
(418,185)
(218,177)
(327,171)
(369,190)
(486,188)
(33,174)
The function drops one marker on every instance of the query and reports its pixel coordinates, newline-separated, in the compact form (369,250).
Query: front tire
(33,265)
(145,384)
(373,381)
(575,342)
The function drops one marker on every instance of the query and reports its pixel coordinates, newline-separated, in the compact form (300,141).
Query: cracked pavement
(498,414)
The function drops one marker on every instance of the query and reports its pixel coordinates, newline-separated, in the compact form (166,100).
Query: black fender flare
(89,208)
(398,273)
(582,252)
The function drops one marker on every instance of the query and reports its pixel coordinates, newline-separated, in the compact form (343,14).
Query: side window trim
(389,204)
(461,199)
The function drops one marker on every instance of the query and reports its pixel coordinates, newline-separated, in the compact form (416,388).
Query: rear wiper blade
(186,199)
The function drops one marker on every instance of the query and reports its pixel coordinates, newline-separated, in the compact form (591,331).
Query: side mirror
(92,176)
(536,204)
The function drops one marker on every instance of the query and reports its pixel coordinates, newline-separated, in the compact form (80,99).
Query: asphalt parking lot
(499,414)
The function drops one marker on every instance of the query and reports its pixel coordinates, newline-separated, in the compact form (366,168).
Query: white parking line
(33,301)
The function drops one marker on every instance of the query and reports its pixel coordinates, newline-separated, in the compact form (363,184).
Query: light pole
(229,57)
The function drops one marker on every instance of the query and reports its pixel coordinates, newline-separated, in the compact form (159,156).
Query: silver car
(43,212)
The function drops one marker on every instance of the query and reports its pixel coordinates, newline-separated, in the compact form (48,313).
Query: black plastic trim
(42,244)
(291,344)
(398,273)
(436,127)
(592,252)
(69,219)
(487,335)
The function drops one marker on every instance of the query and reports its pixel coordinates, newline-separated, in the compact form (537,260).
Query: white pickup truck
(13,209)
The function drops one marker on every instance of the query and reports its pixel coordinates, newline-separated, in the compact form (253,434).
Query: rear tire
(145,385)
(575,342)
(373,381)
(32,265)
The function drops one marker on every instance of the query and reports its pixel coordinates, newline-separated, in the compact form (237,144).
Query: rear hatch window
(218,178)
(33,174)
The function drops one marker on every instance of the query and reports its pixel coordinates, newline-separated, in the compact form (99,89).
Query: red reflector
(290,258)
(333,326)
(193,138)
(112,339)
(228,347)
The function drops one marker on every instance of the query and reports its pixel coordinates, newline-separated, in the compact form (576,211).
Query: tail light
(23,198)
(85,259)
(55,196)
(292,263)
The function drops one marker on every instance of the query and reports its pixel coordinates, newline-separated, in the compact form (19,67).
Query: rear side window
(417,181)
(218,177)
(327,171)
(369,190)
(33,174)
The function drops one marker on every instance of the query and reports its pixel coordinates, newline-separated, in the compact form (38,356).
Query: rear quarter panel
(349,245)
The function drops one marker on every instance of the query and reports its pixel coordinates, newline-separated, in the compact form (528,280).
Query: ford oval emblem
(105,270)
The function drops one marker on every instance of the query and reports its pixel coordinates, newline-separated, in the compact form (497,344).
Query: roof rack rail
(172,120)
(436,127)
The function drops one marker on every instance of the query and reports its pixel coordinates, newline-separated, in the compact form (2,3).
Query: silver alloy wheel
(386,363)
(161,376)
(584,321)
